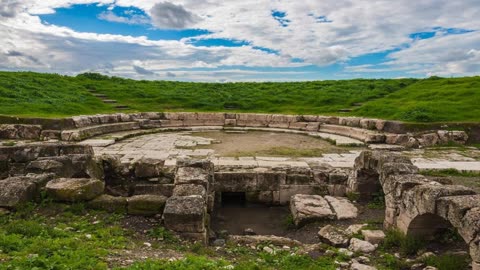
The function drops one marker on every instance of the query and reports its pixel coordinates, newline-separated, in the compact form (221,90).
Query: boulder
(373,236)
(74,189)
(109,203)
(309,208)
(333,236)
(342,207)
(15,191)
(145,205)
(185,214)
(354,229)
(359,266)
(357,245)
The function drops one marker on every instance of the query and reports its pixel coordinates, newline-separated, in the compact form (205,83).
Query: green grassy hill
(428,100)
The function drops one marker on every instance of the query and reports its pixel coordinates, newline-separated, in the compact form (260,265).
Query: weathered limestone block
(373,236)
(185,214)
(342,207)
(192,175)
(154,189)
(423,198)
(446,137)
(259,239)
(299,179)
(235,181)
(454,208)
(330,120)
(287,191)
(15,191)
(253,120)
(90,131)
(230,122)
(337,190)
(337,177)
(428,139)
(18,131)
(309,208)
(349,121)
(190,189)
(333,236)
(398,139)
(357,245)
(264,197)
(368,123)
(308,118)
(50,135)
(359,266)
(270,181)
(145,205)
(109,203)
(74,189)
(148,168)
(48,165)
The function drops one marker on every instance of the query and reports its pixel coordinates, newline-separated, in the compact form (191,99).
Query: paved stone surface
(169,146)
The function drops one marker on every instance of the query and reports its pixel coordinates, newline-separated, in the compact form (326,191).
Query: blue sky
(250,40)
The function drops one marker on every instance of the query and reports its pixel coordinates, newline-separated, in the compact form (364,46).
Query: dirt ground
(256,143)
(274,220)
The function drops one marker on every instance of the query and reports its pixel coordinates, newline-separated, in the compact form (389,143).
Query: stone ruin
(184,194)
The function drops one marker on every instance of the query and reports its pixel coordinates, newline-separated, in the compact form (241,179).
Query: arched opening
(367,184)
(428,226)
(437,235)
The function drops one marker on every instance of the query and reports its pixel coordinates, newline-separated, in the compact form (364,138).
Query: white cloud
(355,28)
(171,16)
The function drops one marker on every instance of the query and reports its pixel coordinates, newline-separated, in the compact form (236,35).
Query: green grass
(450,172)
(413,100)
(448,262)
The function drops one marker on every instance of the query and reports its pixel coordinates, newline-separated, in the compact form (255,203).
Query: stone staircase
(106,100)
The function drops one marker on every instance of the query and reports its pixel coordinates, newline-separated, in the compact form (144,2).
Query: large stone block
(145,205)
(192,175)
(15,191)
(342,207)
(74,189)
(235,181)
(109,203)
(270,181)
(190,189)
(309,208)
(148,168)
(185,214)
(154,189)
(287,191)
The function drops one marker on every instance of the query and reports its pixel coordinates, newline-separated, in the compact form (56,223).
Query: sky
(247,40)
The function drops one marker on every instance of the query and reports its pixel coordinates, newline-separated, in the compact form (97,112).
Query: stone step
(100,95)
(365,135)
(345,110)
(122,107)
(88,132)
(109,101)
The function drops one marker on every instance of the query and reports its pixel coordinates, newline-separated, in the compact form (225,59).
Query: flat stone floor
(170,146)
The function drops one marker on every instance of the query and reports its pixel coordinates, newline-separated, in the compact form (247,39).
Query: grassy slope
(429,100)
(45,95)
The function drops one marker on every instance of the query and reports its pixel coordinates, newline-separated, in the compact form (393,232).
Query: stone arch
(415,205)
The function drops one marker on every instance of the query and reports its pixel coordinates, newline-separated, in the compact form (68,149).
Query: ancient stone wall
(367,130)
(416,205)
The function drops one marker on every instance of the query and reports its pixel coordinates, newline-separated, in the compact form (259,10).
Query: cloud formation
(170,16)
(318,35)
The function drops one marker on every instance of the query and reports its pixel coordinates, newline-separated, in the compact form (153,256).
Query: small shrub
(162,234)
(10,143)
(448,262)
(408,245)
(353,196)
(289,222)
